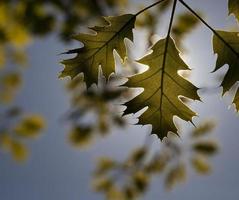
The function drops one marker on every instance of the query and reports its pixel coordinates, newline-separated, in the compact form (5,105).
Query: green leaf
(233,6)
(98,49)
(228,53)
(162,87)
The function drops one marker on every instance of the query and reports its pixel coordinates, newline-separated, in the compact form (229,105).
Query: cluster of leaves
(163,86)
(22,21)
(131,178)
(16,129)
(93,111)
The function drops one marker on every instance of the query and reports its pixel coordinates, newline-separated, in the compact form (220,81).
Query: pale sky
(56,171)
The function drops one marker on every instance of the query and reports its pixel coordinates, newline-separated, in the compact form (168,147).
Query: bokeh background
(57,170)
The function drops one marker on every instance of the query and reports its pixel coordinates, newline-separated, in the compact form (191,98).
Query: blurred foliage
(16,129)
(130,178)
(185,23)
(94,112)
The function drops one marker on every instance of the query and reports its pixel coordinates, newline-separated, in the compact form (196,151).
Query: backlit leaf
(98,49)
(162,87)
(228,53)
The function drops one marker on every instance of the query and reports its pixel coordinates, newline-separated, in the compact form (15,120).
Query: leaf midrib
(106,44)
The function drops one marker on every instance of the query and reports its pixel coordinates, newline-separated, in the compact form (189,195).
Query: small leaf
(30,126)
(233,6)
(162,87)
(140,180)
(201,165)
(104,165)
(5,141)
(19,151)
(98,49)
(137,155)
(206,147)
(80,136)
(102,184)
(176,175)
(203,129)
(11,80)
(157,164)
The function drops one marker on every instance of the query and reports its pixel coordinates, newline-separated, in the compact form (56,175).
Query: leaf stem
(148,7)
(165,54)
(207,25)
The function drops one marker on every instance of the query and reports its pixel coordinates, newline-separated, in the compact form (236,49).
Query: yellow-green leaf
(80,136)
(30,126)
(19,151)
(228,53)
(104,165)
(233,6)
(162,87)
(98,49)
(175,176)
(200,164)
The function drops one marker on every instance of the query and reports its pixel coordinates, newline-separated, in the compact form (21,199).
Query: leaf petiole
(207,25)
(148,7)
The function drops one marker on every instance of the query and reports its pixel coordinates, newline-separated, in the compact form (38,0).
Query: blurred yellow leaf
(18,35)
(140,179)
(5,141)
(102,184)
(137,155)
(176,175)
(80,136)
(19,151)
(115,194)
(200,164)
(2,57)
(104,165)
(30,126)
(204,128)
(206,147)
